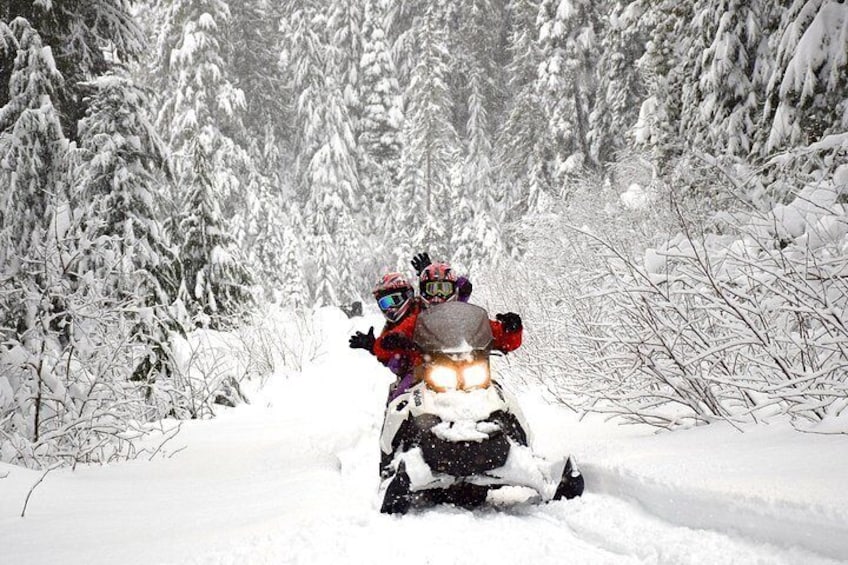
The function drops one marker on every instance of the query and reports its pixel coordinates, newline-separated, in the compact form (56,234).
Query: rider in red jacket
(437,284)
(395,296)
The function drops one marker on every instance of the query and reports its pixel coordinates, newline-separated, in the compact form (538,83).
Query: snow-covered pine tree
(8,51)
(32,142)
(332,186)
(431,144)
(252,56)
(475,237)
(121,167)
(720,114)
(326,168)
(345,25)
(566,80)
(806,94)
(476,241)
(665,70)
(199,93)
(42,289)
(381,118)
(254,39)
(523,154)
(217,289)
(482,91)
(200,118)
(87,37)
(379,137)
(620,86)
(292,290)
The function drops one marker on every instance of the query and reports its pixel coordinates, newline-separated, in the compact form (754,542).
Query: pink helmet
(437,283)
(394,295)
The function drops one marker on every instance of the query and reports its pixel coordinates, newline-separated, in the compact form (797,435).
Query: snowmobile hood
(453,327)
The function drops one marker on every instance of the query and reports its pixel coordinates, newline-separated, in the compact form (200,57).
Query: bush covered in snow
(672,321)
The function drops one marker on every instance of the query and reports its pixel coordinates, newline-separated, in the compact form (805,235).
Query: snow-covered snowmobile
(457,434)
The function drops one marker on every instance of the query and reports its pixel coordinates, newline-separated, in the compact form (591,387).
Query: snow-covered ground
(292,478)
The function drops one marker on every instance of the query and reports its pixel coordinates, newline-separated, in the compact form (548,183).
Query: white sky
(292,478)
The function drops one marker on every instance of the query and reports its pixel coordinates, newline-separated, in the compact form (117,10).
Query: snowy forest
(658,187)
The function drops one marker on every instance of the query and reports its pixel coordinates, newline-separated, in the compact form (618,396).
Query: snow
(635,197)
(292,478)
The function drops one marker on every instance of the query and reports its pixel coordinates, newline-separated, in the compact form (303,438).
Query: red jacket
(503,340)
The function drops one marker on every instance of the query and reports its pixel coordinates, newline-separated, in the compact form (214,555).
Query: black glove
(511,321)
(360,340)
(421,262)
(397,342)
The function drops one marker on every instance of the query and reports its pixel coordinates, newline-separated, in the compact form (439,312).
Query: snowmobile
(456,434)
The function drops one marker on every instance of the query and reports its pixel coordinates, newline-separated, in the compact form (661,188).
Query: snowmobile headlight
(441,378)
(475,375)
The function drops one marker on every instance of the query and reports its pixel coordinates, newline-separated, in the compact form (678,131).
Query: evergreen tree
(252,65)
(218,286)
(722,108)
(332,184)
(805,97)
(430,140)
(121,165)
(200,118)
(267,136)
(666,67)
(36,259)
(524,154)
(475,239)
(293,292)
(88,37)
(620,86)
(345,24)
(8,51)
(326,170)
(382,115)
(477,75)
(32,142)
(200,93)
(567,38)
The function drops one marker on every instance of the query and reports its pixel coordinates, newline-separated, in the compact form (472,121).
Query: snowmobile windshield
(453,328)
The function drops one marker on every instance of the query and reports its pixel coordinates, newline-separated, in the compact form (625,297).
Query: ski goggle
(444,289)
(394,300)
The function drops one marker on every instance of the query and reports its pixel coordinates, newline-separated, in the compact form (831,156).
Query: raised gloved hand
(397,342)
(463,289)
(421,262)
(511,321)
(360,340)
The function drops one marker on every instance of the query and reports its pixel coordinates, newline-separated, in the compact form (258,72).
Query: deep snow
(292,478)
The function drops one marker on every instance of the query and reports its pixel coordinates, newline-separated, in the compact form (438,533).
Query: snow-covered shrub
(213,367)
(736,326)
(643,312)
(280,339)
(549,283)
(64,388)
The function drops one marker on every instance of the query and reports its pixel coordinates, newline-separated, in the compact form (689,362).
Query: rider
(437,284)
(463,285)
(396,299)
